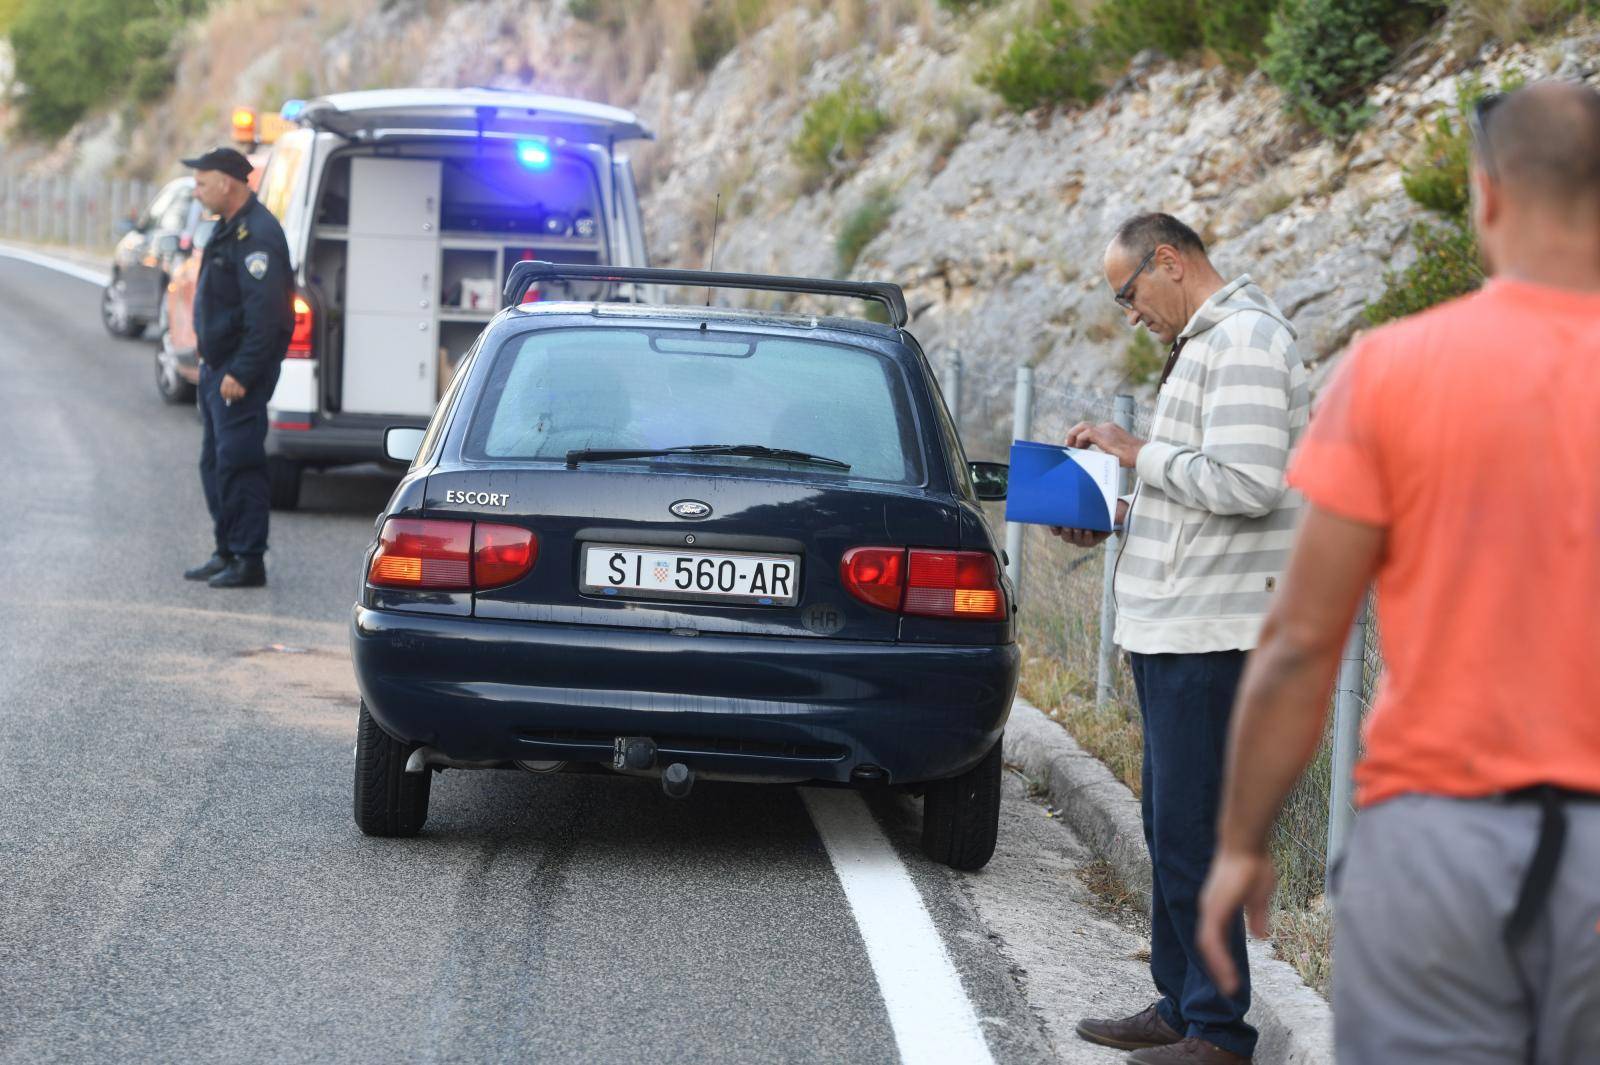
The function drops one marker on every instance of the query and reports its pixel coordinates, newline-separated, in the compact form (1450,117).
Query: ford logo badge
(691,509)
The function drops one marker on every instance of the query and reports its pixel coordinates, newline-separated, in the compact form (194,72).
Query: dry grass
(1482,21)
(1304,939)
(1111,896)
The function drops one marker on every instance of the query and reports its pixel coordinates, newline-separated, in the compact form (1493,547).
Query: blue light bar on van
(291,110)
(535,155)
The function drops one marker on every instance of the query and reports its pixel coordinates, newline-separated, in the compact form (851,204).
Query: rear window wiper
(754,451)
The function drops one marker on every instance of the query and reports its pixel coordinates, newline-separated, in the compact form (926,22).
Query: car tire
(389,802)
(961,816)
(114,311)
(283,478)
(173,388)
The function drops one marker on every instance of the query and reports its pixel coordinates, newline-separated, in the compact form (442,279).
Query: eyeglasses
(1478,123)
(1124,295)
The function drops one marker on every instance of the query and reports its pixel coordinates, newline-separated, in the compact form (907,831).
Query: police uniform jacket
(244,300)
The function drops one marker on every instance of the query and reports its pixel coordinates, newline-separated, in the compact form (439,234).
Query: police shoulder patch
(256,263)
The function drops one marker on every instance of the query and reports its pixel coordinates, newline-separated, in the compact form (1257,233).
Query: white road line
(50,262)
(930,1013)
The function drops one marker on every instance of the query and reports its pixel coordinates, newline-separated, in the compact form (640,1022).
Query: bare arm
(1278,719)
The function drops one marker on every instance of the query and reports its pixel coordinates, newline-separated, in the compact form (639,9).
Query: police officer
(243,319)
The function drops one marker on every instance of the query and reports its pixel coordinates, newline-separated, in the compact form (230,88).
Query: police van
(405,210)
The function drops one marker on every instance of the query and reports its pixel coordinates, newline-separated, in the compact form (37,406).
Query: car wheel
(173,388)
(114,310)
(283,476)
(388,800)
(961,816)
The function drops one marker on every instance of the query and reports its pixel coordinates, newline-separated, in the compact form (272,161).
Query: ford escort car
(690,543)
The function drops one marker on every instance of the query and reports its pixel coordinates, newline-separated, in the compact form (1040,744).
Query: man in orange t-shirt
(1456,459)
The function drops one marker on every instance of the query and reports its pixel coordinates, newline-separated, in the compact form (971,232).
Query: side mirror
(167,244)
(990,479)
(401,443)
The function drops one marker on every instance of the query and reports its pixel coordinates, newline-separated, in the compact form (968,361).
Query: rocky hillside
(993,222)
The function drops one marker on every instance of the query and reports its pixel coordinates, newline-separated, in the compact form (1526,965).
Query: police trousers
(233,463)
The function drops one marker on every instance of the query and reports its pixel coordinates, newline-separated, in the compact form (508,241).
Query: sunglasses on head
(1478,122)
(1124,295)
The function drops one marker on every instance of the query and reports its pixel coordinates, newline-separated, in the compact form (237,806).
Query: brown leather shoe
(1143,1029)
(1190,1051)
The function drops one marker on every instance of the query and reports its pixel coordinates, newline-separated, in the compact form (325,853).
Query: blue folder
(1050,486)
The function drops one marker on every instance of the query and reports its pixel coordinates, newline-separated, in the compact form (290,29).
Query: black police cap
(228,161)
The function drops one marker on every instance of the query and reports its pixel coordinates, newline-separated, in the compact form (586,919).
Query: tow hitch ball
(638,753)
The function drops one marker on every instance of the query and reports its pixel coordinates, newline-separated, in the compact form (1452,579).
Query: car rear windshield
(555,391)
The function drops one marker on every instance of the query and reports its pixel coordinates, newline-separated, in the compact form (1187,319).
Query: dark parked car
(143,260)
(691,543)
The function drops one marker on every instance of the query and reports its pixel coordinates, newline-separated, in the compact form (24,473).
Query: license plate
(710,576)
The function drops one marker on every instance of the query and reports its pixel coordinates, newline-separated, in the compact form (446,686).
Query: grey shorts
(1421,973)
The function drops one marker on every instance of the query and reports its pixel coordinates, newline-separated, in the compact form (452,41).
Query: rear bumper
(760,707)
(324,442)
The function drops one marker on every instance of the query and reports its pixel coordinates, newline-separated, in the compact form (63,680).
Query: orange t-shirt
(1471,433)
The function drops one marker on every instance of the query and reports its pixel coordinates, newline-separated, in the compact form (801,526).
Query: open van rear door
(383,113)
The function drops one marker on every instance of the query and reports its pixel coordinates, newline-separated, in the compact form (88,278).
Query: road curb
(71,262)
(1295,1022)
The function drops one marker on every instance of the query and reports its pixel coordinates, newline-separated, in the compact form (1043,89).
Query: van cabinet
(391,326)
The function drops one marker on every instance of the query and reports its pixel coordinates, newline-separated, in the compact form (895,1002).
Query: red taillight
(414,553)
(502,554)
(300,339)
(954,584)
(937,584)
(874,575)
(455,556)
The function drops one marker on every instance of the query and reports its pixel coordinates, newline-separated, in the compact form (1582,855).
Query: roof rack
(525,274)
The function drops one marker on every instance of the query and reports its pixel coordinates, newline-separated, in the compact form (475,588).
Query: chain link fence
(87,214)
(1066,610)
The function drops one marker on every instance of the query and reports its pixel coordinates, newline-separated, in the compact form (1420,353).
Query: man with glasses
(1455,459)
(1207,538)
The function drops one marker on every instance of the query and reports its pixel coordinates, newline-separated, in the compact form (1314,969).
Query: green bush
(1325,55)
(1447,266)
(1438,179)
(1142,359)
(72,56)
(836,132)
(1124,27)
(863,224)
(1051,62)
(720,26)
(1236,30)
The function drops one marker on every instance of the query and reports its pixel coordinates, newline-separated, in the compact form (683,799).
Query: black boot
(209,568)
(245,571)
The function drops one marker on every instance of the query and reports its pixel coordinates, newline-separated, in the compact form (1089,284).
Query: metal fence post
(1122,414)
(1347,732)
(1021,420)
(950,384)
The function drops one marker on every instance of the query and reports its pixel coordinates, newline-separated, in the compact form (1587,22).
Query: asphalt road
(181,880)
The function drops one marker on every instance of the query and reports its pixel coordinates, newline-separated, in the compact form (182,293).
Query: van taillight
(300,339)
(455,556)
(925,583)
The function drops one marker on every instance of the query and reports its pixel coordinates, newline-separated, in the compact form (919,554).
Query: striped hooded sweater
(1212,518)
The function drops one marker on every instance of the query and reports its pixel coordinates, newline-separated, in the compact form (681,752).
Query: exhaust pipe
(677,780)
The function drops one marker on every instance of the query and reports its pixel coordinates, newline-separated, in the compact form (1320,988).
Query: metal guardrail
(86,214)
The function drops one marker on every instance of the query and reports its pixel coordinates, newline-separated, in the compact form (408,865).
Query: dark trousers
(1185,702)
(233,464)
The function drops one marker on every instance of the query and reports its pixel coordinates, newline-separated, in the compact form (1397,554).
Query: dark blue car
(690,543)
